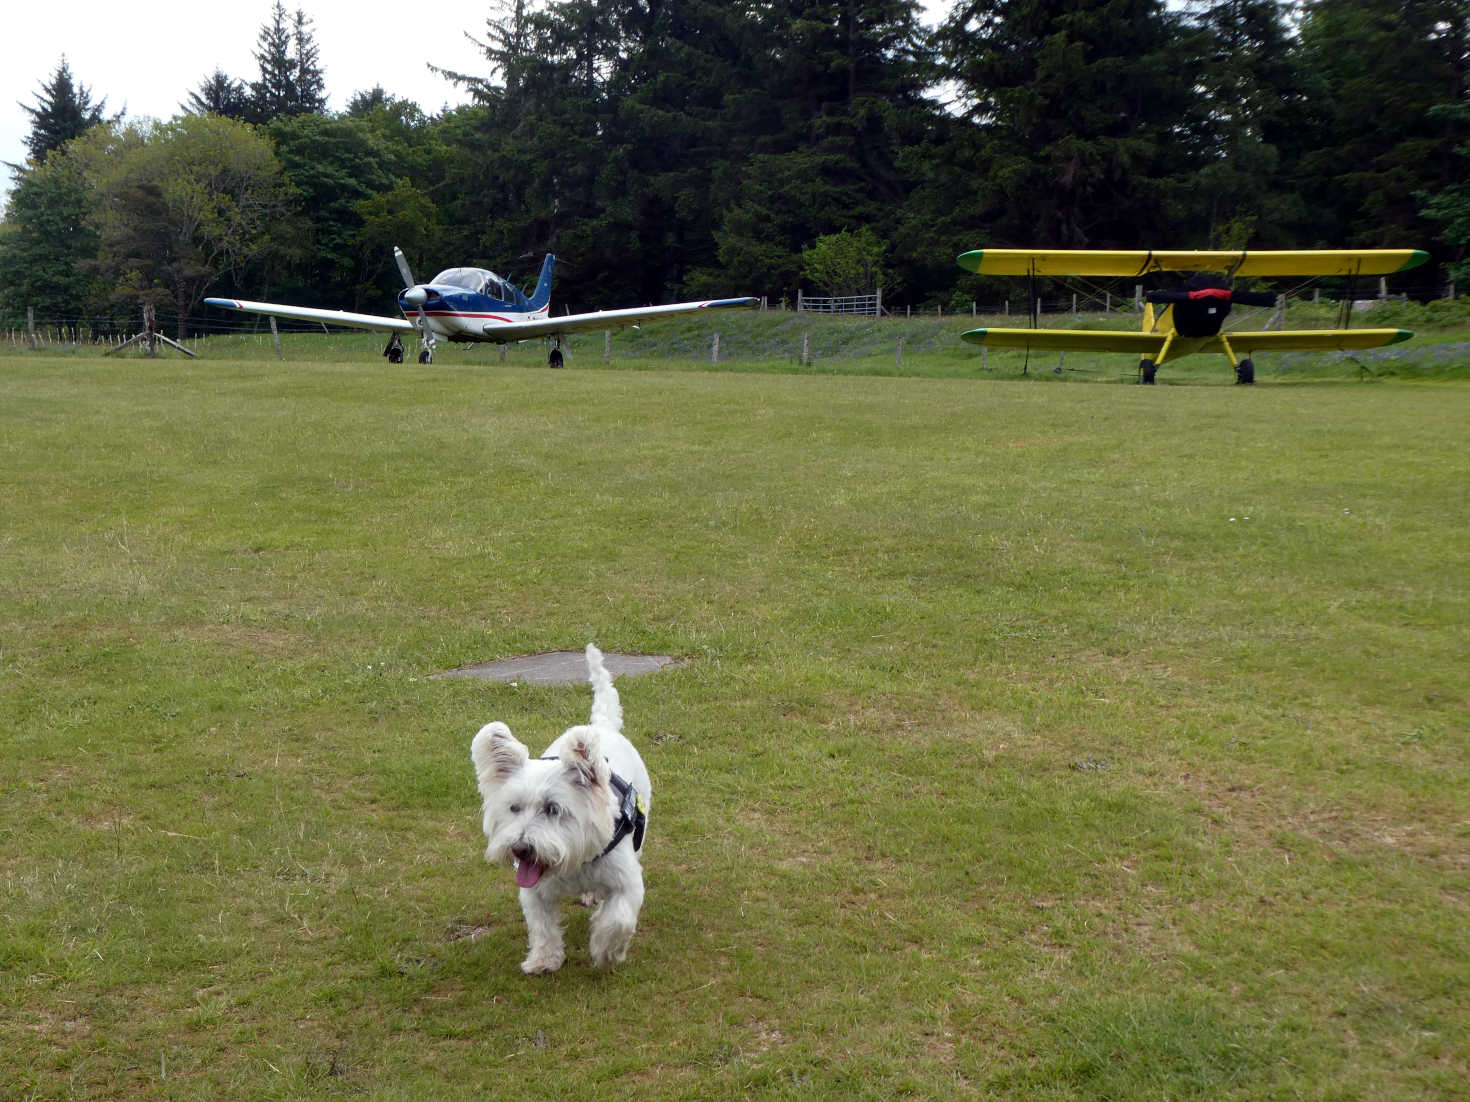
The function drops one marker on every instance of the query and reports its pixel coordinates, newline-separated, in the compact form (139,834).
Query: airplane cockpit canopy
(480,281)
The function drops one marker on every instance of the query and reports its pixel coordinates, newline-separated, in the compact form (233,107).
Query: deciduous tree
(180,205)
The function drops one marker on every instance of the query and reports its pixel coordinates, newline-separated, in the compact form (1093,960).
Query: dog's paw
(539,964)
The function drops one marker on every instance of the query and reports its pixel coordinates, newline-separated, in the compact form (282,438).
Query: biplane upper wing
(312,313)
(1138,262)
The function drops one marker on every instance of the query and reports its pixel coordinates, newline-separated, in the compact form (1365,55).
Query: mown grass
(1063,742)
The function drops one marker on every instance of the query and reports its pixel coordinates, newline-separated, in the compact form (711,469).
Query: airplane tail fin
(542,295)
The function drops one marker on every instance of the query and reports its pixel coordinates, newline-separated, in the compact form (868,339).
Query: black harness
(632,819)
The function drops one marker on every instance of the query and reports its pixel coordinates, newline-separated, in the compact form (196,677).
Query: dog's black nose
(522,852)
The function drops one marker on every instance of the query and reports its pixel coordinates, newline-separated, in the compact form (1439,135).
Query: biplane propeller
(1179,323)
(474,305)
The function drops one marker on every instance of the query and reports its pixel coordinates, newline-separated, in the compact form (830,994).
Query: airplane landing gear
(394,350)
(1245,373)
(555,360)
(1147,369)
(426,357)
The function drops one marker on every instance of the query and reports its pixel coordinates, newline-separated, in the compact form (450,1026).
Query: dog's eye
(515,809)
(553,810)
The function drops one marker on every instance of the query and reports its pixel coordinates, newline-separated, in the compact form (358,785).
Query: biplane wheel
(426,357)
(1245,373)
(554,359)
(1147,369)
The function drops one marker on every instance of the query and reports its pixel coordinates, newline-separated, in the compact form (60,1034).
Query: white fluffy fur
(557,817)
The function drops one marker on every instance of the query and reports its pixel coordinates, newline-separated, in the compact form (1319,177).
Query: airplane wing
(1328,339)
(1137,262)
(309,313)
(504,332)
(1069,340)
(1151,344)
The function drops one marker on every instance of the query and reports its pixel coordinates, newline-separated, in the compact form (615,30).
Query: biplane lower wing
(1068,340)
(1153,345)
(1238,262)
(1340,340)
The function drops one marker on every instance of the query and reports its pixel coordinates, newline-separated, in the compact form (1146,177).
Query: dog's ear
(583,758)
(497,755)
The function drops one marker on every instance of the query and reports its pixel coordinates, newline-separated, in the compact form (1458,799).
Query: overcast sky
(147,58)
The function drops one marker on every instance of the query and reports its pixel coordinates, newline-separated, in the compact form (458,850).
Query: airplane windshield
(478,280)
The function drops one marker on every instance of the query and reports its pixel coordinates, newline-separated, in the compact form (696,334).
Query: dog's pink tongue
(527,873)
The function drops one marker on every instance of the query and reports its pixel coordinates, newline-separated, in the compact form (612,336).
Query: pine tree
(64,110)
(219,94)
(291,79)
(311,84)
(1086,115)
(1376,69)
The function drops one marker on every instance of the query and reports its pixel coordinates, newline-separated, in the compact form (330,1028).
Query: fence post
(799,296)
(806,359)
(607,346)
(714,352)
(31,327)
(276,337)
(900,353)
(1138,297)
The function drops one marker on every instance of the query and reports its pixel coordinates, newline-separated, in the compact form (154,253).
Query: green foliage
(1375,69)
(846,263)
(697,148)
(1451,207)
(47,248)
(333,165)
(179,204)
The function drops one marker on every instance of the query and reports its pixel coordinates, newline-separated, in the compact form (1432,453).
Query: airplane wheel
(1245,373)
(425,357)
(1147,369)
(555,358)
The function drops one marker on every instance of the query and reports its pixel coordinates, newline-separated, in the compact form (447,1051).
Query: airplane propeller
(415,295)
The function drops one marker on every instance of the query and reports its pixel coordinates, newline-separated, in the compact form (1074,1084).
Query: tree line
(675,148)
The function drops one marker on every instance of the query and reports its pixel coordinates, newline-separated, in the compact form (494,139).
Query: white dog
(571,824)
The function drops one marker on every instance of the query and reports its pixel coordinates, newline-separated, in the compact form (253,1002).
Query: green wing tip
(1403,335)
(974,336)
(970,261)
(1417,257)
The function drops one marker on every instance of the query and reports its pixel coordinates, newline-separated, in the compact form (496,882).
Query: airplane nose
(415,296)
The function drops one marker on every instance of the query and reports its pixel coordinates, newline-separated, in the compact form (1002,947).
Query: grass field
(1044,742)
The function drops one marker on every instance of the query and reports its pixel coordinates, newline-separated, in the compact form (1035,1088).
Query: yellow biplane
(1180,323)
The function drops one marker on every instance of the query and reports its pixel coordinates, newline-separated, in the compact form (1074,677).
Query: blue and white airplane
(474,305)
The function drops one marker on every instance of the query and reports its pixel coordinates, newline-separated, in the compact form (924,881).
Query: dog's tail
(607,709)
